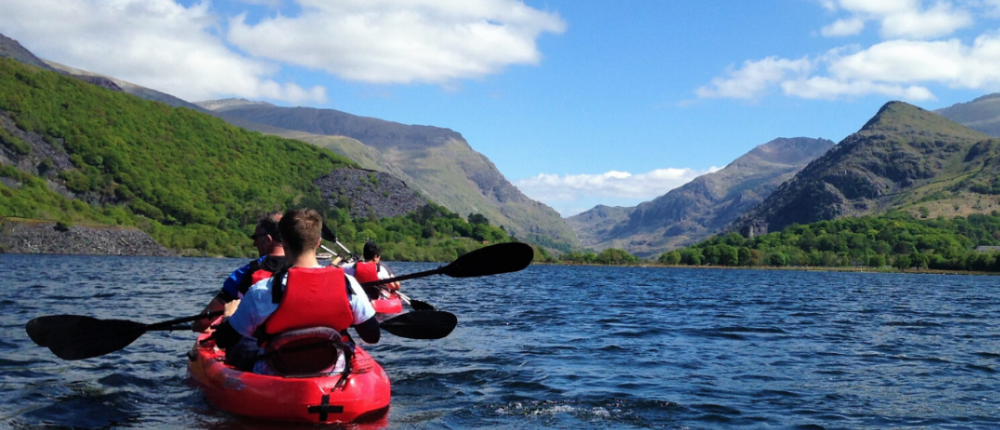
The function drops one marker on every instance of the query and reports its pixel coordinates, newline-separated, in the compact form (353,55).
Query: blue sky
(576,102)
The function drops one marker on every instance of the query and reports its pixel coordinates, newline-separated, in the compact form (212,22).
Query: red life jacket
(260,275)
(365,272)
(312,297)
(258,271)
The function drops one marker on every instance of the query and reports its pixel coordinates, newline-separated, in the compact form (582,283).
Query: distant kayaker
(312,295)
(372,269)
(267,240)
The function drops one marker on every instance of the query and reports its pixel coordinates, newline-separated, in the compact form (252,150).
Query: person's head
(300,230)
(371,251)
(266,237)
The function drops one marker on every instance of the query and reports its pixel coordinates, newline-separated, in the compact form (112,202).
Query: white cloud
(397,41)
(551,188)
(184,50)
(910,19)
(826,88)
(154,43)
(753,79)
(844,27)
(940,20)
(904,67)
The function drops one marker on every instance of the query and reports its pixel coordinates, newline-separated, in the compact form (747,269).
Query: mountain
(590,225)
(904,158)
(74,151)
(96,166)
(10,48)
(705,205)
(128,87)
(409,153)
(438,162)
(982,114)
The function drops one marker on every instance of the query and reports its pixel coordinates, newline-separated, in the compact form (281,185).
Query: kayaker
(372,269)
(271,258)
(312,295)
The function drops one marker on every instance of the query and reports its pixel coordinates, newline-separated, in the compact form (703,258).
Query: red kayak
(388,305)
(364,397)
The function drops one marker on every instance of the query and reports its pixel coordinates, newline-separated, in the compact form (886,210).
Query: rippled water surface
(560,347)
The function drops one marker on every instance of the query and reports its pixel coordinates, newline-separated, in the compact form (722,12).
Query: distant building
(988,248)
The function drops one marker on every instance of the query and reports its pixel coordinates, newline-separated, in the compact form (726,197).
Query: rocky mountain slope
(437,162)
(981,114)
(368,193)
(707,204)
(128,87)
(904,158)
(10,48)
(592,224)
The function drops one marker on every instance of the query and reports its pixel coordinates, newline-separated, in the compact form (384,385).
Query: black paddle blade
(328,235)
(421,325)
(491,260)
(420,305)
(40,328)
(92,337)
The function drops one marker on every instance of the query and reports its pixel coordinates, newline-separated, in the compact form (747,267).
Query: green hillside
(80,154)
(437,162)
(895,239)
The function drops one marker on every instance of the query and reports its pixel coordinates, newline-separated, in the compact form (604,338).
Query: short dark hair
(371,250)
(300,228)
(269,225)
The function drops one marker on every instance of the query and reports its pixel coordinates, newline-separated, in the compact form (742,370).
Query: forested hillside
(897,239)
(77,153)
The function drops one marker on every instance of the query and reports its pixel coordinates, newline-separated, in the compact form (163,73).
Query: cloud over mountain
(553,189)
(206,51)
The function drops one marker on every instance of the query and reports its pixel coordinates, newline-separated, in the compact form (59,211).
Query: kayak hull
(391,305)
(365,396)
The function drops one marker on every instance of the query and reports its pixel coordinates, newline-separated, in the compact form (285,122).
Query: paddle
(329,235)
(490,260)
(75,337)
(421,325)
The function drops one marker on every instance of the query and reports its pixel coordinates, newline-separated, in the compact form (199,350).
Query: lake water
(554,347)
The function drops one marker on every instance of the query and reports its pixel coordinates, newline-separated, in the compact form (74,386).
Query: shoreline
(22,236)
(887,269)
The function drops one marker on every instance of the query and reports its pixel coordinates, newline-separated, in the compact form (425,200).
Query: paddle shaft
(173,322)
(437,271)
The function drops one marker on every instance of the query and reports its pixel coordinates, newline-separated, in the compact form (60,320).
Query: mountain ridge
(437,161)
(703,206)
(901,157)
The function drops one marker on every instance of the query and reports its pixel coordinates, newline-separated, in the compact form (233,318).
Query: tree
(876,261)
(728,255)
(901,262)
(475,218)
(743,256)
(671,258)
(777,259)
(615,256)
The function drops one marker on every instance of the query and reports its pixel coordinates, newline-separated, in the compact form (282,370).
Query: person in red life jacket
(306,295)
(267,240)
(372,269)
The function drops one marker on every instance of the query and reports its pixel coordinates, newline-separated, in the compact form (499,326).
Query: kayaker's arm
(369,330)
(203,325)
